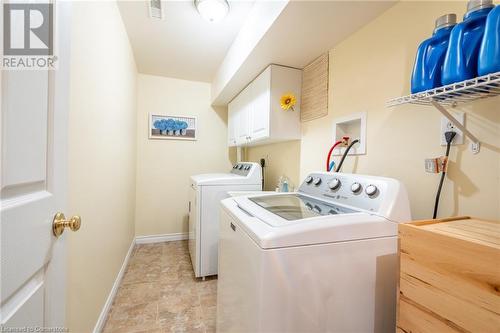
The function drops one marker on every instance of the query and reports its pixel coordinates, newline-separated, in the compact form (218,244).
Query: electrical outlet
(268,160)
(431,165)
(447,126)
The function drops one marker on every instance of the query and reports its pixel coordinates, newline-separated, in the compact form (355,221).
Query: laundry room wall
(281,160)
(101,164)
(374,65)
(165,166)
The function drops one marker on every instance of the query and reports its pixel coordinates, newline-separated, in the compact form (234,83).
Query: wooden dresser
(449,276)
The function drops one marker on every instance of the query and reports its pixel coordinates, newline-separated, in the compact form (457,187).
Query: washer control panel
(243,168)
(364,192)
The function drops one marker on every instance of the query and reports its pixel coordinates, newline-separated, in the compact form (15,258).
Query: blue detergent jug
(430,56)
(461,58)
(489,53)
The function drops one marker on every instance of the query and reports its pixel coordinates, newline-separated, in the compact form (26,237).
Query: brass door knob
(60,222)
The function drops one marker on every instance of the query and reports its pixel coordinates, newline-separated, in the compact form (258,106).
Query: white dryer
(207,190)
(323,259)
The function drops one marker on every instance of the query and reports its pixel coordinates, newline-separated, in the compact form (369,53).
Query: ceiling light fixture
(212,10)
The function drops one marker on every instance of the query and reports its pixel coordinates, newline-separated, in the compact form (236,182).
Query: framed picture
(172,127)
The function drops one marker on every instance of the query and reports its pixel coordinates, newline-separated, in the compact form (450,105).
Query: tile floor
(160,294)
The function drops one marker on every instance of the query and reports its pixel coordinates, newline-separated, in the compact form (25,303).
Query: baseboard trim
(101,321)
(161,238)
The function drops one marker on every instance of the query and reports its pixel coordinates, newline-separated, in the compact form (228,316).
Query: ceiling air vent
(155,9)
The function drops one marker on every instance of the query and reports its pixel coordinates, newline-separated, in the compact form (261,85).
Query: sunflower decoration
(288,101)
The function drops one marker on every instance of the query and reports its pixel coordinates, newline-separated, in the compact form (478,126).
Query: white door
(33,188)
(261,104)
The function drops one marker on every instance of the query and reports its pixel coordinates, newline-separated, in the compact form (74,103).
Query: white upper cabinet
(260,89)
(231,119)
(255,116)
(242,114)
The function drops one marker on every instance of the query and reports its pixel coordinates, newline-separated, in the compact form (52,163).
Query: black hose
(449,139)
(263,165)
(345,154)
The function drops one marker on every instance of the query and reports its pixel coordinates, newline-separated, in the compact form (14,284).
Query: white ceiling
(183,45)
(303,31)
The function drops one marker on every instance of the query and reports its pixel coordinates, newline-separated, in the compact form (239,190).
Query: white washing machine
(207,190)
(323,259)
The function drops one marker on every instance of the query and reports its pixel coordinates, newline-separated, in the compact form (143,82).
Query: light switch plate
(447,125)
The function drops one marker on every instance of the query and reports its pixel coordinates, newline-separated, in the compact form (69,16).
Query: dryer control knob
(317,181)
(309,179)
(334,184)
(355,187)
(371,190)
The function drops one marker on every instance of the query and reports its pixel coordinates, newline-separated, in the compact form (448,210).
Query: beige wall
(367,69)
(164,166)
(281,160)
(374,65)
(102,143)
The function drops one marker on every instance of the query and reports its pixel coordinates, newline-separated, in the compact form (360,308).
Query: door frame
(59,80)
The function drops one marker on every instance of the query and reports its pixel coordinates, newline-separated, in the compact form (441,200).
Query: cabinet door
(231,123)
(242,113)
(260,91)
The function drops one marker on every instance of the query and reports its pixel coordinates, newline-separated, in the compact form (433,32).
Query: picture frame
(170,127)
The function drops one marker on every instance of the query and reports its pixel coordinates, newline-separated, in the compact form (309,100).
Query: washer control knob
(317,209)
(309,179)
(355,187)
(334,184)
(317,181)
(371,190)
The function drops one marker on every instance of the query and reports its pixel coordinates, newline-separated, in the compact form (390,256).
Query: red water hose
(330,154)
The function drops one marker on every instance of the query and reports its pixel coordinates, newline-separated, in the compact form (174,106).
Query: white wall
(259,20)
(102,154)
(164,166)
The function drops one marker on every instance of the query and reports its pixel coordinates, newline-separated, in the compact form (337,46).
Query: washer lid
(222,179)
(269,230)
(295,206)
(208,178)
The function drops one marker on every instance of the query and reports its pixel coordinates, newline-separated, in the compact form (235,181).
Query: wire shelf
(453,94)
